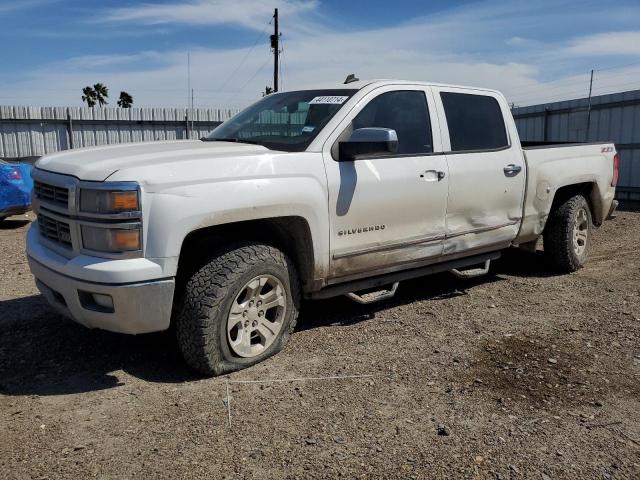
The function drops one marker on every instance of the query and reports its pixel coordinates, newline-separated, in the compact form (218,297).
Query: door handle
(512,170)
(432,175)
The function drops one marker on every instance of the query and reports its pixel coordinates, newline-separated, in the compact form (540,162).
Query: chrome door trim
(388,246)
(418,241)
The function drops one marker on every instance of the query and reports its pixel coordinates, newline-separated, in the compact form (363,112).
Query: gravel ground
(520,374)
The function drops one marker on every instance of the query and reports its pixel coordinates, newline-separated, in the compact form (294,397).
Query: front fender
(175,212)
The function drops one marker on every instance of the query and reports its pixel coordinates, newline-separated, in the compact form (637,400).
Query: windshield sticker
(308,129)
(328,100)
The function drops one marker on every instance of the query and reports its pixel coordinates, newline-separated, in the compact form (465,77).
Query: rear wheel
(567,235)
(238,309)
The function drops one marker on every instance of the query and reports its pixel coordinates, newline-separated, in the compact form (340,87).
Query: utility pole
(275,46)
(586,135)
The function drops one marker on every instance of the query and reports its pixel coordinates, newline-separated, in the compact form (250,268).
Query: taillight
(616,169)
(15,174)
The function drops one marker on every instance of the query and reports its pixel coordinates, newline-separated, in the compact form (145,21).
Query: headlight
(111,240)
(109,201)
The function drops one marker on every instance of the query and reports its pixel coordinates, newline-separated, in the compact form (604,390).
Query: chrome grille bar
(51,193)
(55,230)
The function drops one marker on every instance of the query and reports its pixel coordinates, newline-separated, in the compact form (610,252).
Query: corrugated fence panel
(614,118)
(35,131)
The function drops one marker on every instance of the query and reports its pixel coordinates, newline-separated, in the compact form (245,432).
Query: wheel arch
(290,234)
(589,190)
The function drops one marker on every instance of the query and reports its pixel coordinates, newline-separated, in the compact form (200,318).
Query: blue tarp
(15,186)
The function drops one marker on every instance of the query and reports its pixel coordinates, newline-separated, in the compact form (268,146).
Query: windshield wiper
(234,140)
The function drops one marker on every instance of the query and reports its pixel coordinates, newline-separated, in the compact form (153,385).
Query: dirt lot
(520,374)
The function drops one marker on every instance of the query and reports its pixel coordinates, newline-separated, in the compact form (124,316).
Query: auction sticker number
(328,100)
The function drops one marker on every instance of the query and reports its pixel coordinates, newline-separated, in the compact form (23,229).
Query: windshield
(283,121)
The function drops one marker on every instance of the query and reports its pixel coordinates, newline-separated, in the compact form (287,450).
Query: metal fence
(612,118)
(36,131)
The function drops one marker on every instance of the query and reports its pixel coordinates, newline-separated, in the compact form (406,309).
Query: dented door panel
(486,187)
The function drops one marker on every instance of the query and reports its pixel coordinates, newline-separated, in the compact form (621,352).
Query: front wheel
(238,309)
(567,235)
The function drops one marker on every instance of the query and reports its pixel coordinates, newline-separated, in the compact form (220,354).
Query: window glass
(475,122)
(283,121)
(407,113)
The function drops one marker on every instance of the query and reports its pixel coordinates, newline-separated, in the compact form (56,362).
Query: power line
(264,31)
(544,85)
(575,95)
(618,66)
(543,88)
(254,75)
(598,85)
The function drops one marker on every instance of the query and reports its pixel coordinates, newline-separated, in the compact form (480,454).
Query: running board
(374,297)
(472,272)
(391,278)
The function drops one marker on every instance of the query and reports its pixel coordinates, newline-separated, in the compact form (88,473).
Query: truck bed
(543,144)
(552,166)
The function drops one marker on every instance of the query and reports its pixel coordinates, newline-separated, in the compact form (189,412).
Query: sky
(534,51)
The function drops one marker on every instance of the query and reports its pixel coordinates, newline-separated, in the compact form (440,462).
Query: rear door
(387,212)
(486,170)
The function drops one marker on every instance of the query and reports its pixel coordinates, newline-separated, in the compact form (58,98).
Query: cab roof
(360,84)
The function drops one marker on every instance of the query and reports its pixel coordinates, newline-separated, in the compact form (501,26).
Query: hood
(98,164)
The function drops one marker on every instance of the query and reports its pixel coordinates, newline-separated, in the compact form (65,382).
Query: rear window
(475,122)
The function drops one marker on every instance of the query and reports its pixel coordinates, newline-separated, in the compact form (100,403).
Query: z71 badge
(352,231)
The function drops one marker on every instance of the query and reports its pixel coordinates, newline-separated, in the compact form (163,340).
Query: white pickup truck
(311,193)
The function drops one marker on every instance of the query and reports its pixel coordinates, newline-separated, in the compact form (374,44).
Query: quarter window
(475,122)
(407,113)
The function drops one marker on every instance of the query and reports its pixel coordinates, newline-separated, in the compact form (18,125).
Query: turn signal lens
(616,169)
(109,201)
(124,200)
(125,239)
(111,240)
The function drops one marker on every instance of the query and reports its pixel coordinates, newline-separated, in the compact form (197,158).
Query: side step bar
(472,272)
(374,296)
(392,278)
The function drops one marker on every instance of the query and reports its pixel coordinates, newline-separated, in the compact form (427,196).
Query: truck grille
(55,230)
(51,193)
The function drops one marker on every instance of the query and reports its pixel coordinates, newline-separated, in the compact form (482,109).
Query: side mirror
(372,141)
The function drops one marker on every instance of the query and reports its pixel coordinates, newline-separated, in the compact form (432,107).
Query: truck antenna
(351,78)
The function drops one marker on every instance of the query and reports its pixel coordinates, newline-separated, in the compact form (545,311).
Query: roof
(382,82)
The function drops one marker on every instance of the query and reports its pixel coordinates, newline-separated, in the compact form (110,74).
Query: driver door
(387,212)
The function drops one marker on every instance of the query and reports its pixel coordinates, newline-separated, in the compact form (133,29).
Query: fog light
(105,301)
(97,302)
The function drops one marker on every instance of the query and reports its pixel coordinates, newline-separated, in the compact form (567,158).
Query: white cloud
(86,62)
(609,43)
(13,5)
(246,13)
(490,44)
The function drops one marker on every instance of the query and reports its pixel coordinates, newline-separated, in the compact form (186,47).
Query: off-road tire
(558,234)
(201,316)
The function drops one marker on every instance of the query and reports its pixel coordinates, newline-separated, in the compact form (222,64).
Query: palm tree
(102,93)
(89,96)
(125,100)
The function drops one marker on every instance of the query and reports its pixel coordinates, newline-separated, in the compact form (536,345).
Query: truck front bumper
(132,307)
